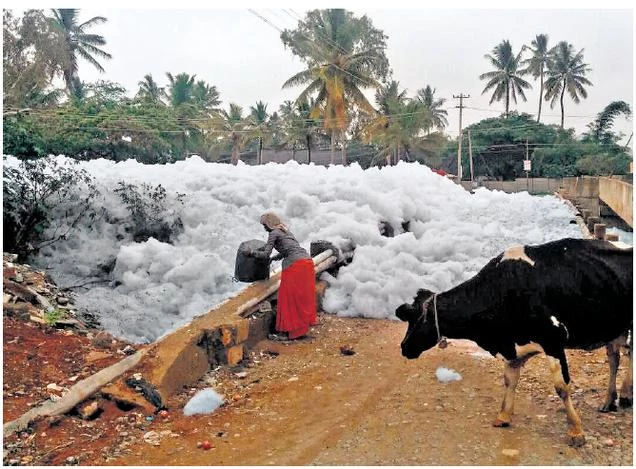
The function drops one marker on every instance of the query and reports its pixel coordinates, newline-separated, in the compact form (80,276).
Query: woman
(296,309)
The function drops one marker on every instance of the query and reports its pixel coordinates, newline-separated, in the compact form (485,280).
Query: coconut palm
(386,96)
(344,54)
(438,115)
(204,96)
(537,64)
(401,135)
(298,126)
(150,91)
(78,42)
(258,115)
(236,127)
(505,79)
(566,72)
(180,89)
(600,130)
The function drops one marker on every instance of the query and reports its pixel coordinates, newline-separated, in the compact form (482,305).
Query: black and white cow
(571,293)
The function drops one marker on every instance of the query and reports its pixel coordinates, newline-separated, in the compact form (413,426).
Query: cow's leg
(626,398)
(613,356)
(561,377)
(512,371)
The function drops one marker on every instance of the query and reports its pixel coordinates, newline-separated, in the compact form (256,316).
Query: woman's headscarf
(271,221)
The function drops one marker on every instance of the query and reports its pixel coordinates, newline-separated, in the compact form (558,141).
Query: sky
(240,51)
(157,286)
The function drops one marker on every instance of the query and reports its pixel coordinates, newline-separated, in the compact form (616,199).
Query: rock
(69,323)
(26,460)
(62,300)
(54,387)
(241,374)
(72,379)
(95,355)
(293,378)
(609,442)
(72,460)
(128,350)
(101,340)
(152,438)
(512,453)
(18,278)
(89,410)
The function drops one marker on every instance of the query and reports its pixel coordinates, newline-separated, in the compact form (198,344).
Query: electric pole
(459,147)
(470,157)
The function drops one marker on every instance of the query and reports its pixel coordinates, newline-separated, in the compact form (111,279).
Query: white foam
(158,287)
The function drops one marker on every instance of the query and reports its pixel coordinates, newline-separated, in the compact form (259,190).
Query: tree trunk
(235,151)
(344,149)
(308,149)
(259,157)
(333,146)
(562,108)
(540,95)
(507,99)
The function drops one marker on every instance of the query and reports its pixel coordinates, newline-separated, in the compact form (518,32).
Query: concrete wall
(319,157)
(583,192)
(618,195)
(531,185)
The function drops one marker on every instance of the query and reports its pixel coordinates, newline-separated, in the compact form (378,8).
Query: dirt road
(312,405)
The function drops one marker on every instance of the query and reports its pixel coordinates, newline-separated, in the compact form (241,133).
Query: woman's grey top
(285,244)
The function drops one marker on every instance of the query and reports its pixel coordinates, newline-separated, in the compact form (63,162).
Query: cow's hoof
(501,423)
(608,408)
(576,440)
(625,402)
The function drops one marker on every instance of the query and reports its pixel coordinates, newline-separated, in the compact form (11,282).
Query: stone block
(228,335)
(259,328)
(234,354)
(242,330)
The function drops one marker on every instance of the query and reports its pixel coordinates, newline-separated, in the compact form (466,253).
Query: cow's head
(421,334)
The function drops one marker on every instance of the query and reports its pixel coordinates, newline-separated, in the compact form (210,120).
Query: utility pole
(527,159)
(459,147)
(470,157)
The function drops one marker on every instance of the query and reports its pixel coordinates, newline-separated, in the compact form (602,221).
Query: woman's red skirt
(296,309)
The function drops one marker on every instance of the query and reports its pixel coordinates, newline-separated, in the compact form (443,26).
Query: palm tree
(566,72)
(150,91)
(397,127)
(78,43)
(235,126)
(600,130)
(438,115)
(387,96)
(505,79)
(344,54)
(537,64)
(204,96)
(258,115)
(180,89)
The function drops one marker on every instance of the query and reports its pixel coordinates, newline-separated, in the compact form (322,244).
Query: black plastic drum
(248,268)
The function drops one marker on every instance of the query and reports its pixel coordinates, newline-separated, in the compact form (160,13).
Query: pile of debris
(28,294)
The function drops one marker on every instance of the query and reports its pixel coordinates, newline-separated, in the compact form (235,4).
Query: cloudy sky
(240,51)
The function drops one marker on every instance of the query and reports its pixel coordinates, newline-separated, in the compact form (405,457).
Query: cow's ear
(423,294)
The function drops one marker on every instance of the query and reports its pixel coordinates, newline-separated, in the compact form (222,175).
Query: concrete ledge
(222,336)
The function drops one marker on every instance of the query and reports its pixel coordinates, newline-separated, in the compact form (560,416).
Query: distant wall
(531,185)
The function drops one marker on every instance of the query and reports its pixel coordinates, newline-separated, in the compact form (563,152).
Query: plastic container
(248,268)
